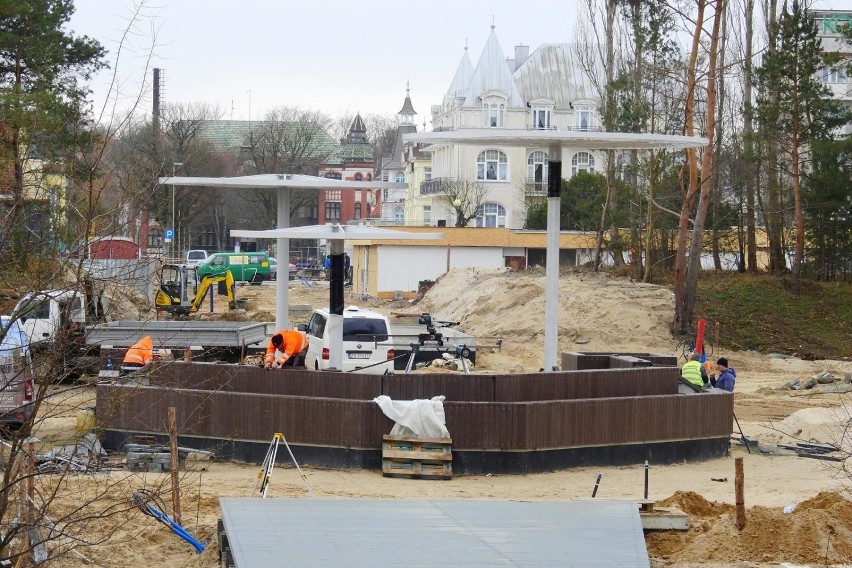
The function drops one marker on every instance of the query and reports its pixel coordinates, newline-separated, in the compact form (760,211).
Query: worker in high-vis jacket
(140,354)
(284,348)
(693,372)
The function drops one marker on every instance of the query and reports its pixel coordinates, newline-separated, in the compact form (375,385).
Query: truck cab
(42,315)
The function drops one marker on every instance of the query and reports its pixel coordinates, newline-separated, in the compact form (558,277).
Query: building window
(332,175)
(400,177)
(332,211)
(493,114)
(833,75)
(537,167)
(332,195)
(427,215)
(427,173)
(357,210)
(582,162)
(398,215)
(358,177)
(584,118)
(155,238)
(369,177)
(491,165)
(491,215)
(541,118)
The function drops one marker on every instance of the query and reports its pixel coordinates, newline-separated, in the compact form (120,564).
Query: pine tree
(795,107)
(42,95)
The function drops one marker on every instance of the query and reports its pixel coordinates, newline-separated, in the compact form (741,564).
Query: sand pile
(818,531)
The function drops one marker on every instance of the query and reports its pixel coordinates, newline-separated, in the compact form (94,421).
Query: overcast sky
(328,55)
(339,57)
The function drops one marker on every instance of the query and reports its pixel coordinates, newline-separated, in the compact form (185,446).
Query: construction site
(296,467)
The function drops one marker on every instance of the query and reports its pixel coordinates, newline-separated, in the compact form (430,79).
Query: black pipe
(646,479)
(335,298)
(597,483)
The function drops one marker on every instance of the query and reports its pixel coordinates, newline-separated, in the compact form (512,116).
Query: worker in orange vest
(287,343)
(140,354)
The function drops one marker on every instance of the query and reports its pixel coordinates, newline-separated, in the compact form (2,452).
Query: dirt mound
(817,531)
(695,505)
(597,312)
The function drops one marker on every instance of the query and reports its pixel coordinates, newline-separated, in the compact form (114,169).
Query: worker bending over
(288,343)
(140,354)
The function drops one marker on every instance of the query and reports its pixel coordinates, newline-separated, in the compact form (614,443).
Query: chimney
(522,53)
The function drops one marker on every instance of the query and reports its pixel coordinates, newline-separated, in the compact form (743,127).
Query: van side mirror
(302,327)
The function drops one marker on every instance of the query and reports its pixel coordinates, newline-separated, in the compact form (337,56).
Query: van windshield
(364,329)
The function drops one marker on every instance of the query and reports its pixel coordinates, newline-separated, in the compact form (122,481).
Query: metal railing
(535,185)
(434,186)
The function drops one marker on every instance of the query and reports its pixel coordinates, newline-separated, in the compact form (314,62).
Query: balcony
(535,186)
(434,186)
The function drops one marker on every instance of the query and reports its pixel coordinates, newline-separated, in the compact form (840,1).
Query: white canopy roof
(295,181)
(583,139)
(334,231)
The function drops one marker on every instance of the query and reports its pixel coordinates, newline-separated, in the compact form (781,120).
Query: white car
(366,343)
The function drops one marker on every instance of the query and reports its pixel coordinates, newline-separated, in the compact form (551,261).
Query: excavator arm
(227,278)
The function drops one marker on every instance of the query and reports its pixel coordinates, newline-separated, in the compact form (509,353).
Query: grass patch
(758,312)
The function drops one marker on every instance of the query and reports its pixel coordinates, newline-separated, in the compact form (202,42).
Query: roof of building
(356,147)
(461,80)
(394,160)
(240,134)
(407,107)
(551,72)
(492,73)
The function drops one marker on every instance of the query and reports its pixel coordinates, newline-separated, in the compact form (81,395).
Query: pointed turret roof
(407,107)
(358,124)
(492,73)
(461,80)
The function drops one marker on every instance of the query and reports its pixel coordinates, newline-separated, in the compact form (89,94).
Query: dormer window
(541,118)
(584,117)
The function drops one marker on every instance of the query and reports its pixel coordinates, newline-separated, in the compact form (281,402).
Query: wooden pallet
(417,457)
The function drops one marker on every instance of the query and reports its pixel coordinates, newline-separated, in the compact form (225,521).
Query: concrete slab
(395,532)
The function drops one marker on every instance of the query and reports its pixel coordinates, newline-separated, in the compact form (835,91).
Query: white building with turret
(545,89)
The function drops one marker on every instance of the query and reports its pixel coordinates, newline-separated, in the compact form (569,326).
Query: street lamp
(175,166)
(457,204)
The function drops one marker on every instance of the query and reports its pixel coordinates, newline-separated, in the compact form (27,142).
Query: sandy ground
(597,313)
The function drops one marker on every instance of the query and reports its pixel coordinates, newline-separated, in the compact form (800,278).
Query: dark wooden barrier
(499,423)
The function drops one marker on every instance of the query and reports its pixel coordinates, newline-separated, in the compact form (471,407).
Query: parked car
(196,257)
(273,268)
(366,342)
(16,394)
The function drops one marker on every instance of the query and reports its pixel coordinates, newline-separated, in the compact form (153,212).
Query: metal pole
(174,462)
(647,467)
(175,166)
(282,285)
(335,306)
(551,285)
(597,483)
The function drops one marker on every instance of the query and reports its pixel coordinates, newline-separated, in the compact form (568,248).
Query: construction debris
(87,455)
(824,381)
(156,458)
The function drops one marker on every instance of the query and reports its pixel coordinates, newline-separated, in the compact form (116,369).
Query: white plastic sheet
(416,418)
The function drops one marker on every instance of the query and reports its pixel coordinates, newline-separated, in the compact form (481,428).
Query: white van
(196,257)
(366,342)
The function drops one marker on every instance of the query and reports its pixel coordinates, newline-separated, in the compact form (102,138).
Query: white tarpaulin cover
(417,418)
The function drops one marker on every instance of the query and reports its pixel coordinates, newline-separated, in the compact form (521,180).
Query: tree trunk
(694,267)
(609,125)
(682,317)
(748,138)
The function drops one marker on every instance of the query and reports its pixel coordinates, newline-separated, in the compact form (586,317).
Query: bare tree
(289,140)
(464,196)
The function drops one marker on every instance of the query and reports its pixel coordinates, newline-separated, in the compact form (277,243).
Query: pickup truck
(67,329)
(16,384)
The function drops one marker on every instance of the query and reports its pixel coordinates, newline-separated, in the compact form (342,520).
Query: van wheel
(256,280)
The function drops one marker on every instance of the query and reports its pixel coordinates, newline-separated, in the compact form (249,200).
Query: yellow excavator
(181,293)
